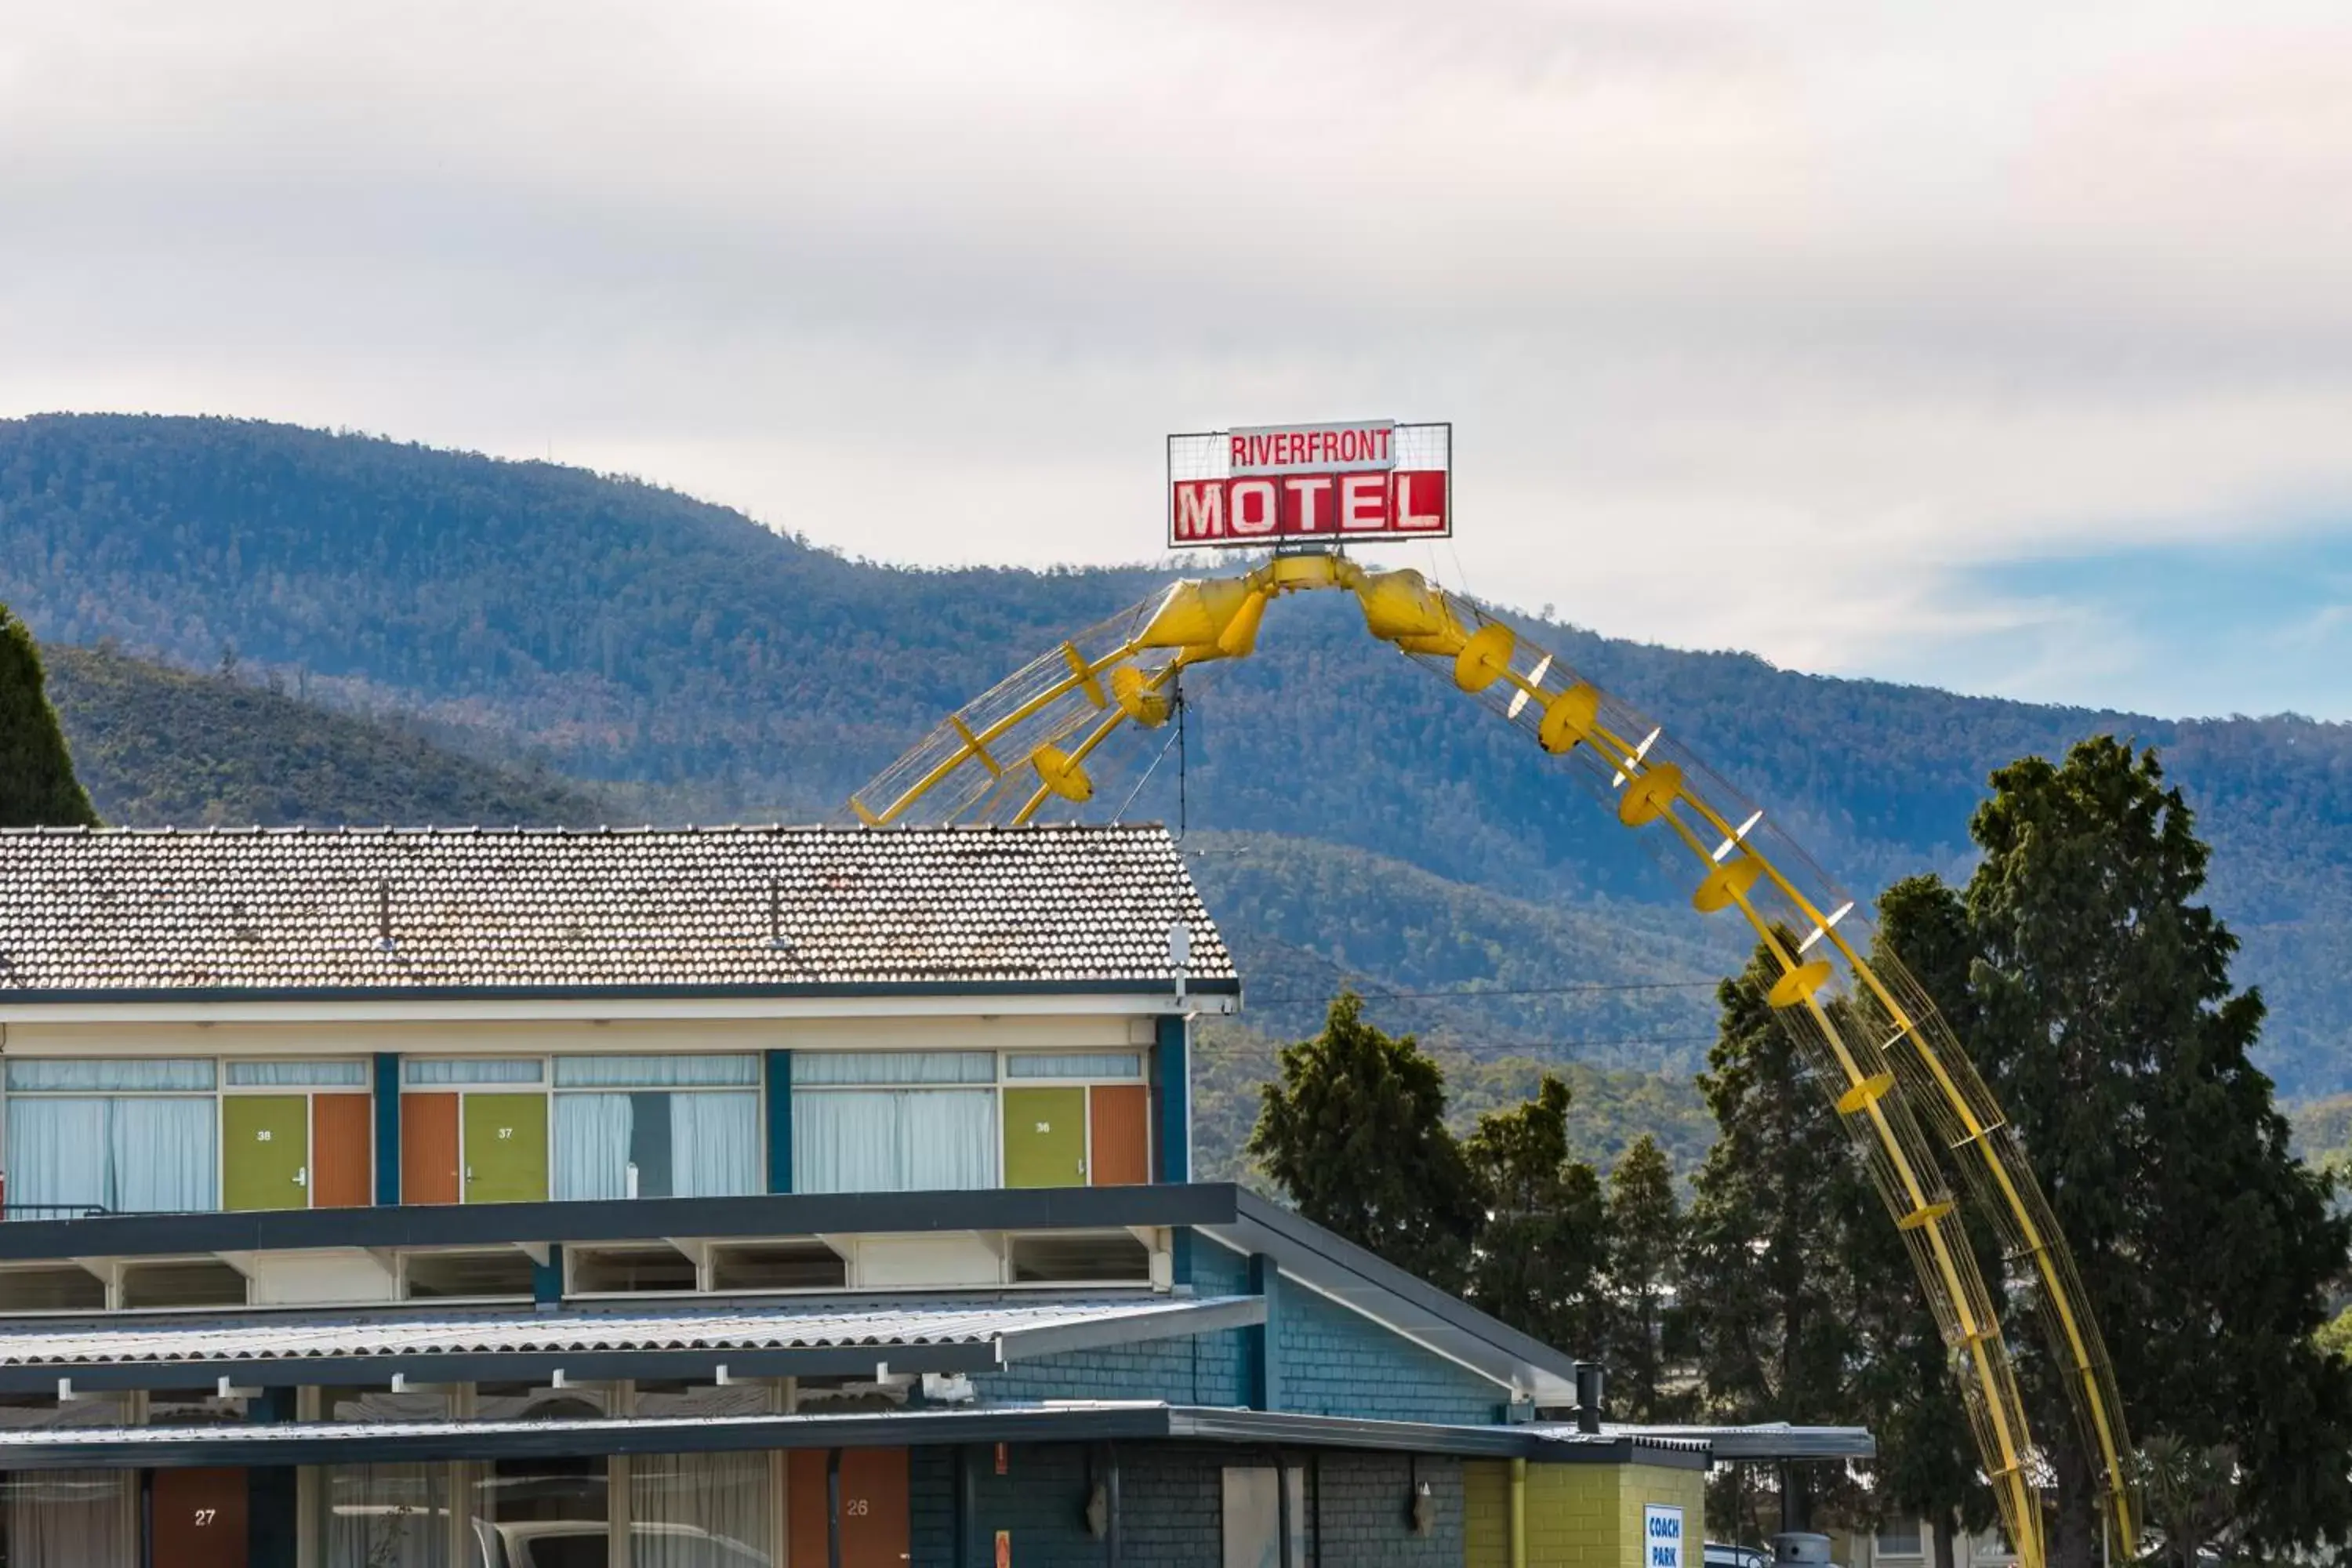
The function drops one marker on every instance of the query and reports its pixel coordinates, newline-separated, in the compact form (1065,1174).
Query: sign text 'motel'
(1367,479)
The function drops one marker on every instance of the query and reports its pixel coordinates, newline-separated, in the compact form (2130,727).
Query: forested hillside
(159,747)
(628,633)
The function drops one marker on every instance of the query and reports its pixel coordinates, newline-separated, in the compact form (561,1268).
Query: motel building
(709,1199)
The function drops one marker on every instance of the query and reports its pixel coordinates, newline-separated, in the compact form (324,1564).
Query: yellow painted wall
(1578,1516)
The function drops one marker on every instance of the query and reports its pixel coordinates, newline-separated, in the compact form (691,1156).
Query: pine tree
(1356,1133)
(1542,1250)
(37,788)
(1776,1209)
(1645,1241)
(2106,1022)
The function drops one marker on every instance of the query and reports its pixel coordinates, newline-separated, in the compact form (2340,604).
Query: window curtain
(655,1072)
(591,1147)
(72,1075)
(693,1511)
(57,1155)
(715,1145)
(433,1074)
(70,1519)
(894,1141)
(166,1155)
(387,1515)
(885,1068)
(298,1075)
(1095,1064)
(131,1154)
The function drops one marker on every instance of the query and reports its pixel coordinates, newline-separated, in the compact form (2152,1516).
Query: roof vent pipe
(383,915)
(1592,1382)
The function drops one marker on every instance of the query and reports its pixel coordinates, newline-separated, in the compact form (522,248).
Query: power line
(1499,991)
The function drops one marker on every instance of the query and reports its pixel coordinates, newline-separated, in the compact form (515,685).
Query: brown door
(1121,1116)
(199,1518)
(342,1130)
(873,1508)
(428,1149)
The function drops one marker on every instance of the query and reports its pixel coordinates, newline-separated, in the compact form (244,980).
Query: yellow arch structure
(1894,1075)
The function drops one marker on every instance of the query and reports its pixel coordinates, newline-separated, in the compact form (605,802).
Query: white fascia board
(532,1009)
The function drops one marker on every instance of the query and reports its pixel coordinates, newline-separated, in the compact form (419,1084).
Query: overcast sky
(2003,346)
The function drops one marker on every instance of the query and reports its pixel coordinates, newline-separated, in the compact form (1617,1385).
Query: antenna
(1180,953)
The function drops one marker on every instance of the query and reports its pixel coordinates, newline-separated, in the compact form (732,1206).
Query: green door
(265,1152)
(505,1148)
(1044,1137)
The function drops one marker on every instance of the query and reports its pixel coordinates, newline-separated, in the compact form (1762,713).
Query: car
(585,1543)
(1717,1554)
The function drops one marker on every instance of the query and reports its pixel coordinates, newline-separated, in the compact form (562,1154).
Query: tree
(1542,1247)
(1645,1241)
(1776,1209)
(37,788)
(1355,1132)
(2101,1010)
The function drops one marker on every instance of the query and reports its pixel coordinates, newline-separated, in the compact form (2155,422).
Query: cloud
(1807,328)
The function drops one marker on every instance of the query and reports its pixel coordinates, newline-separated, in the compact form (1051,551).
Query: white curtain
(56,1154)
(887,1067)
(715,1145)
(655,1072)
(1097,1065)
(950,1140)
(166,1155)
(298,1075)
(80,1075)
(71,1518)
(846,1142)
(429,1073)
(591,1147)
(697,1511)
(894,1141)
(387,1515)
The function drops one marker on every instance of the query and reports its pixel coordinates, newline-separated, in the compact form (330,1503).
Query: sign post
(1270,485)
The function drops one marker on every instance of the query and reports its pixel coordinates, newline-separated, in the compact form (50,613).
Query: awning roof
(830,1338)
(349,1441)
(1764,1441)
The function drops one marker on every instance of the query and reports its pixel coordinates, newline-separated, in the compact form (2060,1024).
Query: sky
(2005,347)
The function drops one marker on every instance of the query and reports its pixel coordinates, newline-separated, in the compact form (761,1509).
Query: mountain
(160,747)
(630,634)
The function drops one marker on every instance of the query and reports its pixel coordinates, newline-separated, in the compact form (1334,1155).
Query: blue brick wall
(1197,1369)
(1339,1363)
(1172,1507)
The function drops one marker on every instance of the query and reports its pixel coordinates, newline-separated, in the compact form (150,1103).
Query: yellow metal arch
(1887,1060)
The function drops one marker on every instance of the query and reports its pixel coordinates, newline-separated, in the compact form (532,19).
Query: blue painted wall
(387,1128)
(780,1121)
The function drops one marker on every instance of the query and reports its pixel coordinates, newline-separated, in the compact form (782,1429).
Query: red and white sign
(1365,479)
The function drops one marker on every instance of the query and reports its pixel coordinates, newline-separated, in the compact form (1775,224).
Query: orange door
(343,1175)
(1121,1118)
(428,1149)
(200,1519)
(874,1532)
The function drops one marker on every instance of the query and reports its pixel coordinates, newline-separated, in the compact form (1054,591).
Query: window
(1898,1537)
(893,1122)
(657,1127)
(121,1135)
(1253,1528)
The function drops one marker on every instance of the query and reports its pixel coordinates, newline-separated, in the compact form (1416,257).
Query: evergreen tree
(1645,1241)
(1778,1207)
(1543,1248)
(1356,1133)
(37,788)
(2104,1019)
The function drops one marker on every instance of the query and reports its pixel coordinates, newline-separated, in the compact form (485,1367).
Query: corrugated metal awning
(779,1340)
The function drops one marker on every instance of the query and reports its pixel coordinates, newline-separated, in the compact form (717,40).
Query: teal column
(1171,1093)
(547,1278)
(780,1121)
(387,1128)
(1262,1344)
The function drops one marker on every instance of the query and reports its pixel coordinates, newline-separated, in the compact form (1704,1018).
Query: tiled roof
(212,1341)
(748,909)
